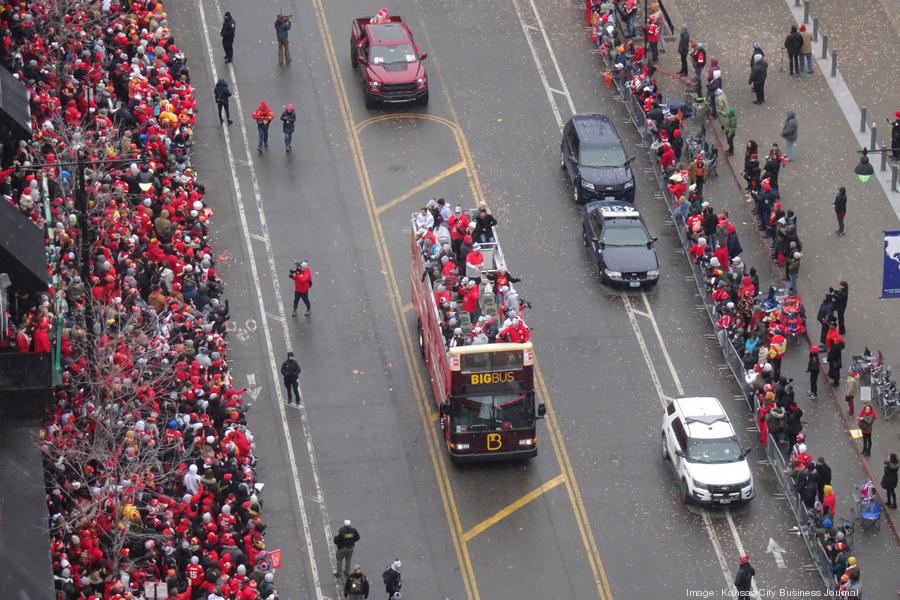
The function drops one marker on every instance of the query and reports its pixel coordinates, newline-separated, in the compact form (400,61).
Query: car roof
(704,417)
(595,128)
(613,209)
(387,34)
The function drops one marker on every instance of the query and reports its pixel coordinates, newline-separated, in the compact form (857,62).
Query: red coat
(302,281)
(470,300)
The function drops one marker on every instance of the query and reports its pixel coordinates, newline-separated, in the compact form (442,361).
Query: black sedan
(620,243)
(592,153)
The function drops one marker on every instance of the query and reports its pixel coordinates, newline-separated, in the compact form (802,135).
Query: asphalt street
(609,521)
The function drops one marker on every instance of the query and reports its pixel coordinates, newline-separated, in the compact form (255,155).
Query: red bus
(484,393)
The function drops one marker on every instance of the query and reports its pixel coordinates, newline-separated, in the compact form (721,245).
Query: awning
(15,112)
(22,252)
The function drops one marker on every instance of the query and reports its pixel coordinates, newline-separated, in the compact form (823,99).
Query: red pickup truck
(388,62)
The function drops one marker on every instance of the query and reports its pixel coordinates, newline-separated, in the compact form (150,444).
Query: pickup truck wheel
(584,237)
(576,193)
(370,100)
(562,161)
(685,493)
(423,101)
(665,449)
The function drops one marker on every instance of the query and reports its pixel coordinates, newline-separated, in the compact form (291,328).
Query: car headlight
(421,81)
(586,185)
(652,274)
(700,486)
(745,484)
(612,274)
(527,442)
(374,84)
(629,185)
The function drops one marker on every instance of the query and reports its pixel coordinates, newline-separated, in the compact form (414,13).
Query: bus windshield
(492,413)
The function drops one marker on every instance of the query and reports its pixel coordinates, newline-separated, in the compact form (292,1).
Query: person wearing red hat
(288,119)
(743,580)
(812,367)
(263,116)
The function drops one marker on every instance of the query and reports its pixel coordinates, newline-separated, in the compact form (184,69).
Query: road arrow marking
(776,551)
(252,388)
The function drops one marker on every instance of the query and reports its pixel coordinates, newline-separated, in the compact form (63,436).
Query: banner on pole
(275,559)
(890,286)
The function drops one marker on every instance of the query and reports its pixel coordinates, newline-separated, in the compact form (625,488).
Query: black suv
(620,243)
(592,153)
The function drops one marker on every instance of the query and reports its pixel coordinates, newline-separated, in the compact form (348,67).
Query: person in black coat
(823,476)
(684,48)
(743,580)
(222,94)
(840,209)
(757,51)
(290,370)
(834,362)
(227,33)
(889,480)
(812,367)
(826,311)
(793,43)
(484,226)
(841,295)
(758,74)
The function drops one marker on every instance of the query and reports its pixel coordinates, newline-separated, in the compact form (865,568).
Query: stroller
(868,507)
(793,316)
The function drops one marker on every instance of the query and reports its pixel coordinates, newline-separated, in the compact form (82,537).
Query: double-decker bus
(484,393)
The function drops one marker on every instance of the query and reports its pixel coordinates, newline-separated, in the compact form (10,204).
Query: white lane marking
(539,65)
(662,346)
(739,546)
(242,213)
(654,376)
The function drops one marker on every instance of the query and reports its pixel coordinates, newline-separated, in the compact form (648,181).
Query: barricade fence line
(733,360)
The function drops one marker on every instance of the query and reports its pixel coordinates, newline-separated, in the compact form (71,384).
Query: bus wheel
(421,336)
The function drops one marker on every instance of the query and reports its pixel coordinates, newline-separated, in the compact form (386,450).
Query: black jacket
(346,537)
(841,296)
(823,476)
(812,366)
(794,41)
(290,369)
(684,43)
(889,479)
(485,224)
(362,588)
(287,121)
(228,27)
(840,202)
(392,583)
(826,311)
(759,72)
(221,92)
(743,580)
(755,52)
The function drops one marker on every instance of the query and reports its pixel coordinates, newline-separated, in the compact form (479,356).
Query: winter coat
(812,365)
(290,369)
(228,27)
(743,580)
(851,387)
(806,48)
(840,202)
(282,27)
(392,581)
(789,131)
(684,42)
(221,92)
(362,588)
(722,109)
(823,475)
(302,280)
(793,265)
(794,41)
(866,420)
(288,119)
(841,295)
(263,114)
(759,72)
(889,479)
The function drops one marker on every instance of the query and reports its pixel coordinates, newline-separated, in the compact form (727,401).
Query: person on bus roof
(475,263)
(424,220)
(458,223)
(517,332)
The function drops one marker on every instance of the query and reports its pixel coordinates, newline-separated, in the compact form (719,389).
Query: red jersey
(302,280)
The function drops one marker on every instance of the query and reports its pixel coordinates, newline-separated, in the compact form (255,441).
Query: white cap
(346,522)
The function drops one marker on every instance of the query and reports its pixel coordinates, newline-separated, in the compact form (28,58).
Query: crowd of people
(475,296)
(757,325)
(149,463)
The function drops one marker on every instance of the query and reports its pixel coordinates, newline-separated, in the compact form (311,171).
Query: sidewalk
(808,187)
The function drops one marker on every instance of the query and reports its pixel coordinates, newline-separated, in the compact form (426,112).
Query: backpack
(356,585)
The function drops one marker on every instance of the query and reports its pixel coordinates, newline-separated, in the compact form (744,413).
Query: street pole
(646,22)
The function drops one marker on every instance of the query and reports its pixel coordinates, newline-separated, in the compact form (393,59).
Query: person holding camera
(302,277)
(282,27)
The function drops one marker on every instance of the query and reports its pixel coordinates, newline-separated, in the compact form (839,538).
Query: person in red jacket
(653,38)
(302,277)
(516,332)
(263,115)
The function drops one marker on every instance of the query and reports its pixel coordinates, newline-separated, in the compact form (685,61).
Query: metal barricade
(733,359)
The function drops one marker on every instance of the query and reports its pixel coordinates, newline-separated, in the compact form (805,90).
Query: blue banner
(890,286)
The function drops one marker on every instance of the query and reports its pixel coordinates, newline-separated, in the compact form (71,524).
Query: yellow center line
(513,507)
(422,186)
(447,499)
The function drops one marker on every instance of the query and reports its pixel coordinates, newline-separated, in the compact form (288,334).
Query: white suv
(706,455)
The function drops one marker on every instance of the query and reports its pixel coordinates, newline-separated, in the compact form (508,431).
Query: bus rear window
(485,362)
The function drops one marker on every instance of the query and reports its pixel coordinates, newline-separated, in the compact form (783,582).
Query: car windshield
(720,450)
(386,55)
(602,156)
(625,234)
(493,413)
